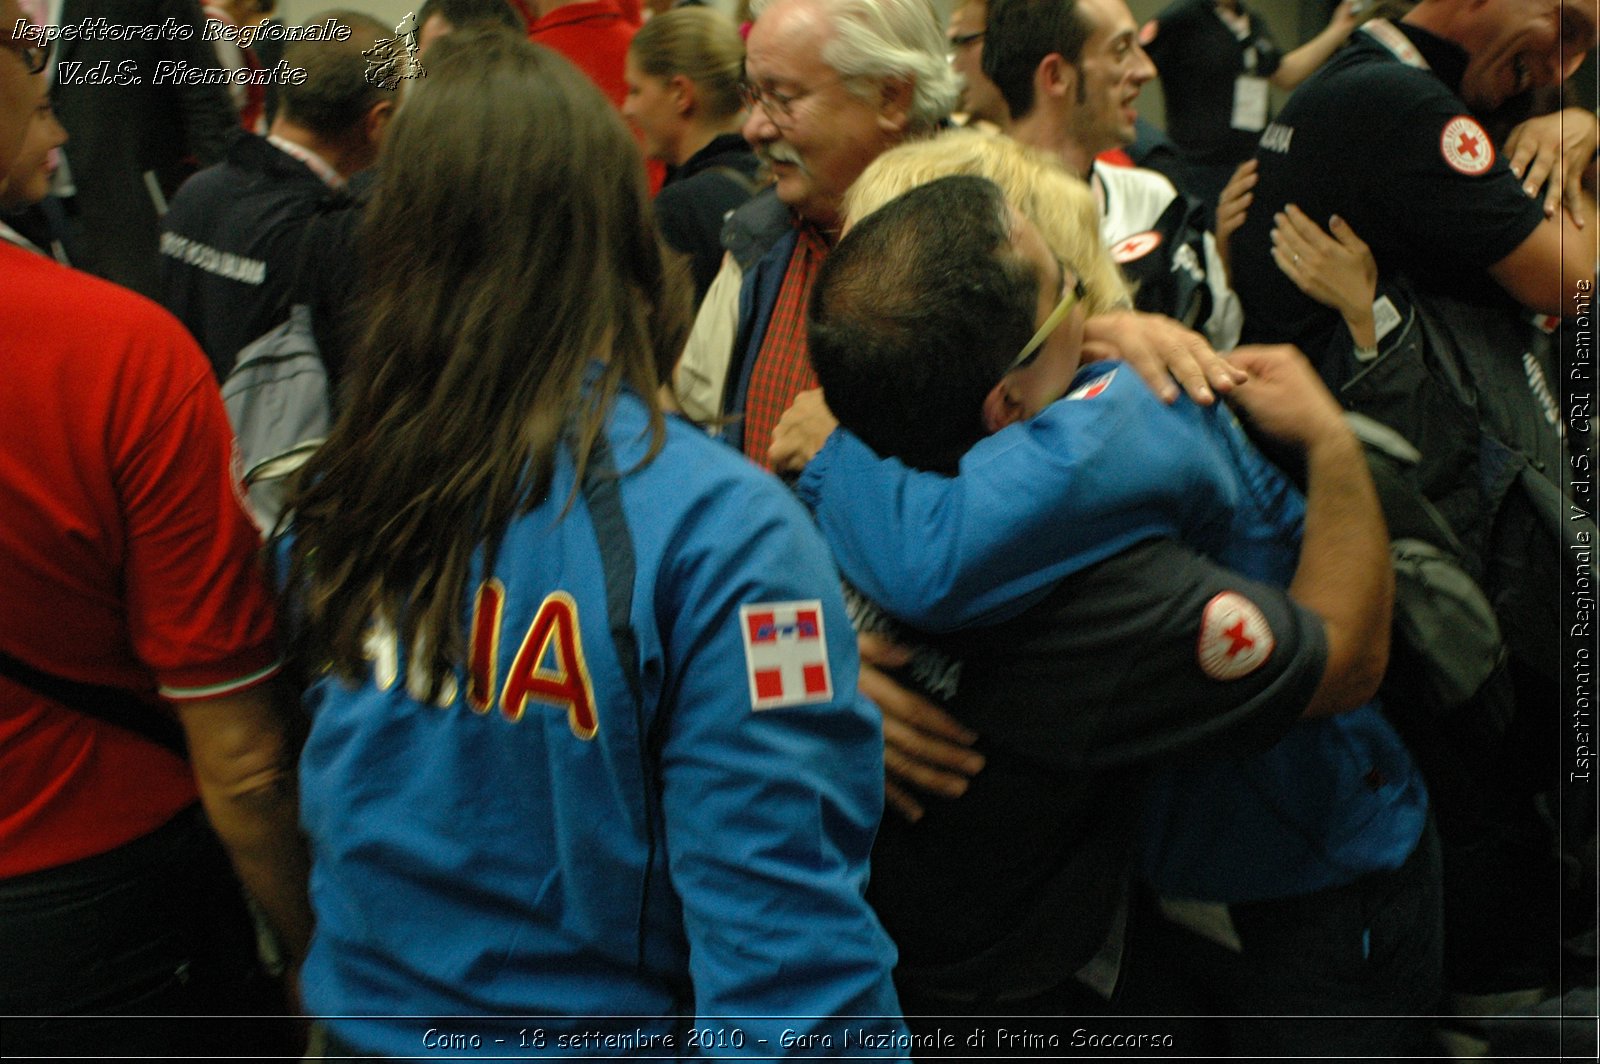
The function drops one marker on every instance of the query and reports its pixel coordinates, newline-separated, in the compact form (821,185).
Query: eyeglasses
(1070,297)
(35,56)
(779,106)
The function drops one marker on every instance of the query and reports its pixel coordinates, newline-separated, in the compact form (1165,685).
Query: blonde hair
(1060,204)
(701,44)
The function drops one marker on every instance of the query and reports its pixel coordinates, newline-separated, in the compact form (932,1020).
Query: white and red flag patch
(1235,639)
(1466,147)
(786,653)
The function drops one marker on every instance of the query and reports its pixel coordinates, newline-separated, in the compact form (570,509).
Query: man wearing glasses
(831,84)
(1115,521)
(980,99)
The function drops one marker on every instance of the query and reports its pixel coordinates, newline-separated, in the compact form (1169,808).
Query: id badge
(1250,103)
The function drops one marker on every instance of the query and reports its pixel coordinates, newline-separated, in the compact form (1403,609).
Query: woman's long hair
(508,247)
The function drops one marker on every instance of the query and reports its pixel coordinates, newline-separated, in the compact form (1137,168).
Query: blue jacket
(761,236)
(550,843)
(1096,472)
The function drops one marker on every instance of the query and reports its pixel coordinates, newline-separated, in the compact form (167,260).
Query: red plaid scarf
(783,365)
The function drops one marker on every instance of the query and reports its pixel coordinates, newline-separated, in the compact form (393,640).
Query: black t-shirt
(231,242)
(1017,880)
(697,197)
(1390,148)
(1200,58)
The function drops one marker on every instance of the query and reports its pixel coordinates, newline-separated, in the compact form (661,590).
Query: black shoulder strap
(745,182)
(602,492)
(113,705)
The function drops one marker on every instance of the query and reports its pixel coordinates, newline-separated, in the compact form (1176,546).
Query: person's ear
(376,123)
(894,105)
(1055,77)
(682,92)
(999,408)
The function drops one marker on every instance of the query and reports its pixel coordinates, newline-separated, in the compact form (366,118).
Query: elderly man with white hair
(831,85)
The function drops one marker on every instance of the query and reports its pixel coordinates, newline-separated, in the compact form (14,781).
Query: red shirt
(126,558)
(783,363)
(595,35)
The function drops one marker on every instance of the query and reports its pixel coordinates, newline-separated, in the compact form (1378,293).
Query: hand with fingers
(1552,153)
(1336,270)
(1161,351)
(925,749)
(1285,398)
(1232,205)
(801,432)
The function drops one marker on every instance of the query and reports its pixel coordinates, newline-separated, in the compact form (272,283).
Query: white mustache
(780,153)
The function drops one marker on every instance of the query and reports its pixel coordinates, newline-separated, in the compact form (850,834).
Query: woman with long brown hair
(586,741)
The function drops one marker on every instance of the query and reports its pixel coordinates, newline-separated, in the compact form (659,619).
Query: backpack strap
(602,491)
(746,183)
(111,705)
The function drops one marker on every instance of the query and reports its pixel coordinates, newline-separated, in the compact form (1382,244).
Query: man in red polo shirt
(128,582)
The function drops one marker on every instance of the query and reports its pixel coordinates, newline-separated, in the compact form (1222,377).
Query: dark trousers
(100,954)
(1356,970)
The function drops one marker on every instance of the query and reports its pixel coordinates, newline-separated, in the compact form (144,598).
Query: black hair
(463,13)
(1017,37)
(336,95)
(915,316)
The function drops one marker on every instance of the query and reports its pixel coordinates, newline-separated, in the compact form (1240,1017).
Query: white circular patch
(1135,247)
(1235,639)
(1466,147)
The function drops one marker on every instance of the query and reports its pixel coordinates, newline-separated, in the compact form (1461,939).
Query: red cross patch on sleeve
(1235,639)
(1466,147)
(1135,247)
(786,654)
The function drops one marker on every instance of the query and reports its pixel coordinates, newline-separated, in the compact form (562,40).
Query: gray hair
(882,39)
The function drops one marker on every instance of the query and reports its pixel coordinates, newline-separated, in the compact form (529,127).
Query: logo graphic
(785,653)
(394,59)
(1466,147)
(1235,639)
(1135,247)
(1093,388)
